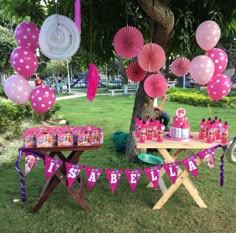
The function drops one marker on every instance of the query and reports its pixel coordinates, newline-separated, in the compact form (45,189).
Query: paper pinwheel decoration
(128,42)
(134,72)
(180,66)
(155,85)
(152,57)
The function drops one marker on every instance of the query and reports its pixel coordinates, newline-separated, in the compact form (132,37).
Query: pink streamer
(78,15)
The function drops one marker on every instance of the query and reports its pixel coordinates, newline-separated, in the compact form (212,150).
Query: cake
(180,128)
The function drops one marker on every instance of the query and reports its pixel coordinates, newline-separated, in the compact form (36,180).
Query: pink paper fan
(180,66)
(93,80)
(152,57)
(155,85)
(134,72)
(128,42)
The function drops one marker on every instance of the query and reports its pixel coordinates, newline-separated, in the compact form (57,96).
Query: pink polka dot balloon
(17,89)
(208,34)
(219,87)
(24,61)
(27,35)
(201,69)
(42,98)
(220,59)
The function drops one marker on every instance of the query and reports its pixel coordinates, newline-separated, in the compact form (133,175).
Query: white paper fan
(59,38)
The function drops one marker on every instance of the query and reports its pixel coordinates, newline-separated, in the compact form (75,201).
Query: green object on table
(147,158)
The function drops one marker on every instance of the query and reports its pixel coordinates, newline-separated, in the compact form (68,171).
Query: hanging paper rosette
(59,38)
(134,72)
(180,66)
(128,42)
(155,85)
(152,57)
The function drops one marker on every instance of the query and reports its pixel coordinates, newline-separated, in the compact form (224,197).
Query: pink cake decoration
(180,128)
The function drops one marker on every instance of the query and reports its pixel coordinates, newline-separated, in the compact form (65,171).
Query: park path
(75,94)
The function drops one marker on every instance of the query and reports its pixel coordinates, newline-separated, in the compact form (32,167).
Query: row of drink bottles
(214,130)
(148,129)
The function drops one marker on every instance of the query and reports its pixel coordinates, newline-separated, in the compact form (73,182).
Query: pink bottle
(160,133)
(143,132)
(150,130)
(211,133)
(138,124)
(225,131)
(202,129)
(156,128)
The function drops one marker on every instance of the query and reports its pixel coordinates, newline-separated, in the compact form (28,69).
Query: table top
(66,148)
(194,143)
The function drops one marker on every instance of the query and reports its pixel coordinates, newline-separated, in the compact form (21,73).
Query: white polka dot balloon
(208,35)
(220,59)
(201,69)
(17,89)
(42,99)
(27,35)
(24,61)
(219,87)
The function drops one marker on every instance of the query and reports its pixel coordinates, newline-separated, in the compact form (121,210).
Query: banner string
(200,154)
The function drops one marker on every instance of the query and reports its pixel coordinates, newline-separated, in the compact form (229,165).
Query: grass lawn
(123,211)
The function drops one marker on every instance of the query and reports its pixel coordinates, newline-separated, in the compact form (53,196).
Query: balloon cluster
(207,69)
(25,62)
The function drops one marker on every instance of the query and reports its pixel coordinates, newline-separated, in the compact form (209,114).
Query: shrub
(197,99)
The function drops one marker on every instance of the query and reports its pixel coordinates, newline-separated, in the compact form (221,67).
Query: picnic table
(170,156)
(60,174)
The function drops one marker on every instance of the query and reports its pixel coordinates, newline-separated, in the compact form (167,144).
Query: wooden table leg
(58,177)
(182,179)
(77,196)
(50,185)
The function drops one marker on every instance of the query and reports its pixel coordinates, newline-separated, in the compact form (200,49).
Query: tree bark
(163,23)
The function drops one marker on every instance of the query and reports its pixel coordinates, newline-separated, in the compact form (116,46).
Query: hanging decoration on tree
(59,38)
(93,79)
(128,42)
(180,66)
(134,72)
(78,15)
(155,85)
(152,57)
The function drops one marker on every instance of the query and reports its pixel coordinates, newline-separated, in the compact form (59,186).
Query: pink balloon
(42,98)
(208,34)
(201,69)
(219,87)
(27,35)
(24,61)
(17,89)
(220,59)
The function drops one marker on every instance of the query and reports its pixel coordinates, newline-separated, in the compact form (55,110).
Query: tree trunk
(162,26)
